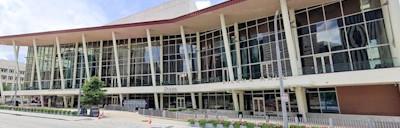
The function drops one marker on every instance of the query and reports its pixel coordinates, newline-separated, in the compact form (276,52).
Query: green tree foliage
(6,87)
(92,93)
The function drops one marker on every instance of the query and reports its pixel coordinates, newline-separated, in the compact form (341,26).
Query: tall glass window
(342,36)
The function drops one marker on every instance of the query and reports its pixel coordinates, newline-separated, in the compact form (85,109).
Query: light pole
(282,89)
(80,87)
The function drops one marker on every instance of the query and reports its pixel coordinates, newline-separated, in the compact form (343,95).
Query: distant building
(7,73)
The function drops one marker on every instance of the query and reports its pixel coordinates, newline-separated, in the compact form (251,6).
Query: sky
(28,16)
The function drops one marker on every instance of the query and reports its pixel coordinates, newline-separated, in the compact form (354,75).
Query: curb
(166,118)
(33,116)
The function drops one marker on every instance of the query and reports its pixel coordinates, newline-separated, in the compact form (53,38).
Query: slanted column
(128,78)
(86,57)
(161,65)
(53,63)
(16,54)
(188,66)
(153,72)
(238,55)
(32,72)
(194,105)
(60,64)
(289,38)
(391,17)
(301,100)
(116,59)
(39,78)
(101,59)
(227,48)
(198,56)
(75,65)
(235,100)
(292,17)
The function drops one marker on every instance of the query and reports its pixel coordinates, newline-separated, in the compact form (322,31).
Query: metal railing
(119,108)
(308,122)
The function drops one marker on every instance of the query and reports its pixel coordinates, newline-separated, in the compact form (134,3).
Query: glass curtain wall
(28,70)
(45,55)
(342,36)
(156,52)
(67,60)
(322,100)
(140,63)
(174,61)
(123,52)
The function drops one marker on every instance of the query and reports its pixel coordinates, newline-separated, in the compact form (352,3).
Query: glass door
(113,100)
(268,70)
(279,104)
(323,64)
(225,74)
(180,102)
(259,106)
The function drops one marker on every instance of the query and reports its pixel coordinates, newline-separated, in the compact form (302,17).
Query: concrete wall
(167,10)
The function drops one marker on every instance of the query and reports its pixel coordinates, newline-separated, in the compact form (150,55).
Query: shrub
(226,124)
(74,113)
(214,122)
(202,122)
(250,125)
(191,121)
(236,124)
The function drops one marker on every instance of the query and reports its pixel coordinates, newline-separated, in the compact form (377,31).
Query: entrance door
(259,106)
(268,70)
(323,64)
(225,74)
(114,100)
(180,102)
(279,104)
(114,82)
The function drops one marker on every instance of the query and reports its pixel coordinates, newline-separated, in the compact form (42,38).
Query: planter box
(241,126)
(209,125)
(196,124)
(220,126)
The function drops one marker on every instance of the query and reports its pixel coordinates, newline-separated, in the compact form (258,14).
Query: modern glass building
(338,57)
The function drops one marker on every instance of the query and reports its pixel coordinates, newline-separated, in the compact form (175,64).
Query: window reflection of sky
(332,35)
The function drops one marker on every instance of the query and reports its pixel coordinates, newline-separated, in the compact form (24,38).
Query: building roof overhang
(202,20)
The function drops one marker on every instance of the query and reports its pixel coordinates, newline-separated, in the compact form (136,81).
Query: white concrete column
(128,78)
(53,63)
(75,65)
(292,17)
(227,48)
(121,99)
(35,54)
(193,100)
(49,103)
(86,57)
(116,59)
(200,100)
(238,55)
(301,100)
(16,54)
(72,101)
(161,63)
(289,38)
(161,101)
(41,101)
(153,72)
(65,101)
(101,59)
(391,17)
(29,100)
(198,56)
(60,61)
(241,101)
(127,96)
(187,58)
(3,97)
(156,101)
(235,100)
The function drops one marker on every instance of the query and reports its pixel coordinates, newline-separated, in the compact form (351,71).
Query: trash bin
(240,113)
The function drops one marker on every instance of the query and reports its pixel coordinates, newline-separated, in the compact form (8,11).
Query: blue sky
(27,16)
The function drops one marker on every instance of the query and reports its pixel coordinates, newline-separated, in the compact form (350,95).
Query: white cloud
(30,16)
(201,4)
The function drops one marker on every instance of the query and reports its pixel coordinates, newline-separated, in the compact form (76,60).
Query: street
(17,121)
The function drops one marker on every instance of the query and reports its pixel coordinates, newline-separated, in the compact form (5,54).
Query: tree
(92,94)
(6,87)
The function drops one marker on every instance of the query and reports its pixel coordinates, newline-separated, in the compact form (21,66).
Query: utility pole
(282,89)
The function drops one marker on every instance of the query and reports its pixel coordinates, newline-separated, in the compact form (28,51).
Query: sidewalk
(123,116)
(42,115)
